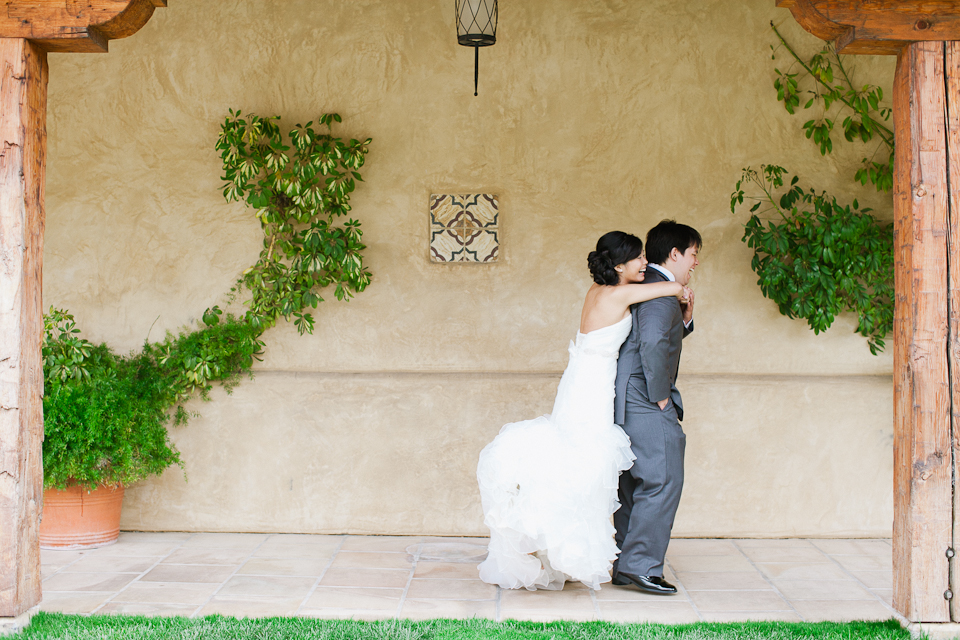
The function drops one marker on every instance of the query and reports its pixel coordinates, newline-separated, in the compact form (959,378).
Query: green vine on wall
(815,257)
(106,415)
(820,258)
(830,89)
(298,186)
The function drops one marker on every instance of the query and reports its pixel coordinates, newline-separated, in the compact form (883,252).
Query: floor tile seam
(255,596)
(202,564)
(83,554)
(819,581)
(450,599)
(91,593)
(660,600)
(180,582)
(355,586)
(461,579)
(835,599)
(136,573)
(367,568)
(747,571)
(686,592)
(142,574)
(340,566)
(119,600)
(730,590)
(92,552)
(780,593)
(445,599)
(100,573)
(229,577)
(715,611)
(297,556)
(413,569)
(316,582)
(896,614)
(278,575)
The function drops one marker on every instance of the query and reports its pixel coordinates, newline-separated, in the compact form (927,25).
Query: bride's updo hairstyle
(613,248)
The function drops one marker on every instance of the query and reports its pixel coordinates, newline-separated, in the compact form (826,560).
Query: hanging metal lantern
(476,27)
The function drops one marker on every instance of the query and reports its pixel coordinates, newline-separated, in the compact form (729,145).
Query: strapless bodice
(605,341)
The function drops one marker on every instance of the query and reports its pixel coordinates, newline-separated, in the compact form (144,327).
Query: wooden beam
(877,26)
(924,265)
(23,136)
(80,26)
(807,15)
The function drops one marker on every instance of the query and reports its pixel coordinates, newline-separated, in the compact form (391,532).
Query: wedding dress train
(549,485)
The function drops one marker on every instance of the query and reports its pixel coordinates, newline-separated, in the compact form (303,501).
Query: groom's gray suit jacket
(651,355)
(650,491)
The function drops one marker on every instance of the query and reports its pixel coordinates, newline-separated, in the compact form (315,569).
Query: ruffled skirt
(548,492)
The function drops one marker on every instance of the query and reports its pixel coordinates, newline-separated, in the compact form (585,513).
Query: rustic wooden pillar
(23,104)
(952,94)
(925,331)
(926,38)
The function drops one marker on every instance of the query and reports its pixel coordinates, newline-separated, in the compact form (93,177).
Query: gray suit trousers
(650,491)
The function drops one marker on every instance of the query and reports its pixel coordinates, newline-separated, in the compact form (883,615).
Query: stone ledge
(11,626)
(934,630)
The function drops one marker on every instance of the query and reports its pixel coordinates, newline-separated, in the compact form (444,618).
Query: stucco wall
(592,115)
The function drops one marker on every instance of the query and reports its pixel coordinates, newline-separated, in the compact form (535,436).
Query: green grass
(76,627)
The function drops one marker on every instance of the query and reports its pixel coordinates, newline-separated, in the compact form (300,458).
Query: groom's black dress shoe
(650,584)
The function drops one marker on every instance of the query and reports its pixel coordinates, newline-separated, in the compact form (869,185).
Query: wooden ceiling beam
(79,26)
(877,27)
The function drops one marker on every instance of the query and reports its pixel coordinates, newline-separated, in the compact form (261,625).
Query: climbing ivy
(107,415)
(298,185)
(818,258)
(823,83)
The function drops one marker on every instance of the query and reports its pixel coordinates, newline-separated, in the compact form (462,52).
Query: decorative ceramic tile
(464,228)
(444,244)
(480,245)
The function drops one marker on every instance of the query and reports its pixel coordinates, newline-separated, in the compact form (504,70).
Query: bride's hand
(687,305)
(681,292)
(684,295)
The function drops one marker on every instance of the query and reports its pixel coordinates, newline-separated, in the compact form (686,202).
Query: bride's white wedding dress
(549,485)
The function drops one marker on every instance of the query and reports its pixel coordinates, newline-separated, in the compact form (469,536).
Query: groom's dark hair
(670,235)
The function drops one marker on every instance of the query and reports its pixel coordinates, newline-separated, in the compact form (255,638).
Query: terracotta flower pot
(80,519)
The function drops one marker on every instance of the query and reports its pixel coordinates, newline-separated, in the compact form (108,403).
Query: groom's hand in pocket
(663,404)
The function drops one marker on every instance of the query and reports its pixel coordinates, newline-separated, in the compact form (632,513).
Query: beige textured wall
(592,115)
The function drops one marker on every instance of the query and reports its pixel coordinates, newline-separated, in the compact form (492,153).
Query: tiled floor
(371,577)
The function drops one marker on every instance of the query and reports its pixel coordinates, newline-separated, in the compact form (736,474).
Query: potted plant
(106,417)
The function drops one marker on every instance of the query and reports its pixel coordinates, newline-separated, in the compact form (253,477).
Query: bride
(549,485)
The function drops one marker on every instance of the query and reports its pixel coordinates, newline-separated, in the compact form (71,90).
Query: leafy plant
(107,425)
(820,258)
(106,416)
(220,351)
(828,86)
(298,185)
(65,354)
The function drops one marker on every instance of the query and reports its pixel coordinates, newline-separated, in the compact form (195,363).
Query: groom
(649,408)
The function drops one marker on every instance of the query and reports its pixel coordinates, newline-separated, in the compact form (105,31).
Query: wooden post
(23,104)
(925,330)
(951,69)
(28,30)
(926,351)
